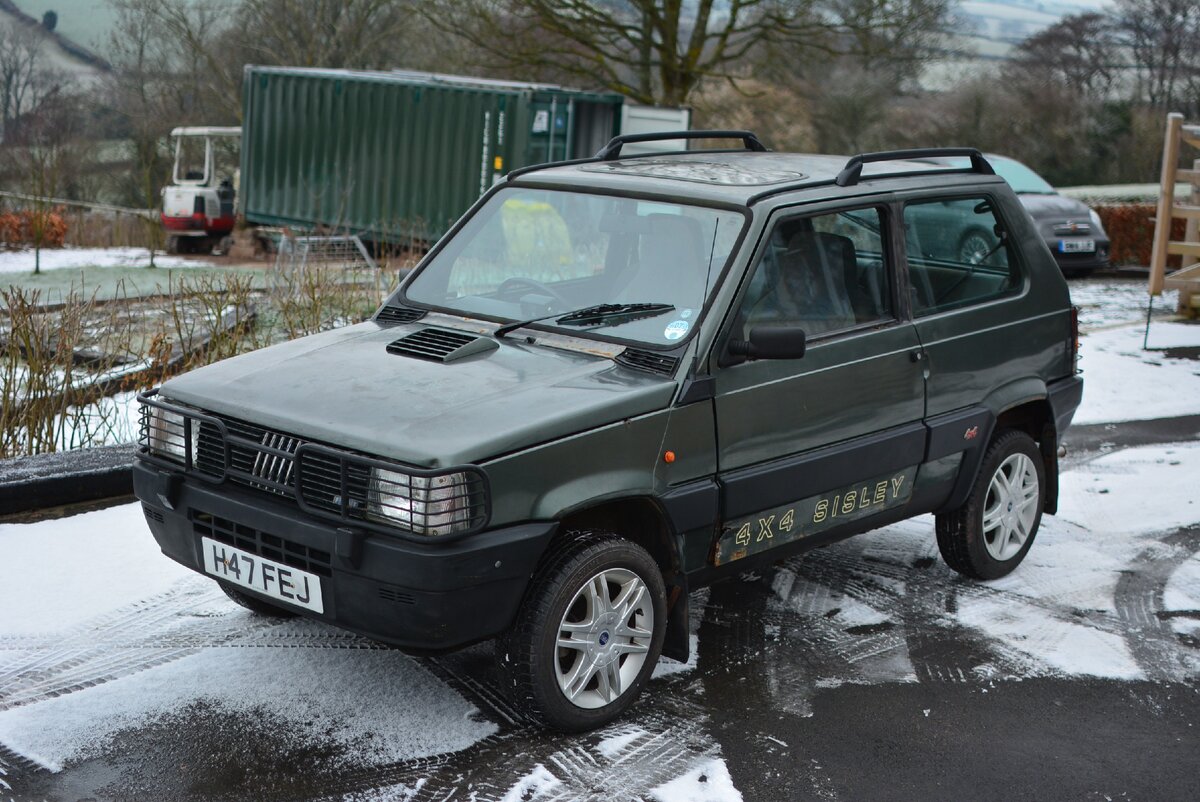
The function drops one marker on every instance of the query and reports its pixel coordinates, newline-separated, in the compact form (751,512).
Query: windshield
(1020,178)
(532,254)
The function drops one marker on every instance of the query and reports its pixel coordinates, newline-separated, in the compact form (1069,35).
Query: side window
(821,274)
(958,254)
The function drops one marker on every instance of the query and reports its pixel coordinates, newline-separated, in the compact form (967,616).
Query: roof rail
(853,170)
(612,151)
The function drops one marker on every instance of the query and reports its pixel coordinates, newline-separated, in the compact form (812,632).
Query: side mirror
(770,342)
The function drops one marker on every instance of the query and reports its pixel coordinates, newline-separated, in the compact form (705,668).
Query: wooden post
(1193,222)
(1166,199)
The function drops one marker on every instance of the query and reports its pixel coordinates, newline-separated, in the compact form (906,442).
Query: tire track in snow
(1155,646)
(140,636)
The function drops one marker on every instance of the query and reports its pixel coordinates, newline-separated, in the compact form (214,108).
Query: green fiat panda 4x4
(619,379)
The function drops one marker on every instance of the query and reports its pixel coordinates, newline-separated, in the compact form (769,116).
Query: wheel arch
(641,520)
(1035,417)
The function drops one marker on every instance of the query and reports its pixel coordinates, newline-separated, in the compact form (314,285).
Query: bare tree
(1081,51)
(20,67)
(656,51)
(1164,37)
(215,39)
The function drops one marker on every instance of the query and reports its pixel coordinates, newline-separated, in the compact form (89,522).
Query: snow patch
(77,258)
(667,667)
(58,574)
(614,745)
(382,708)
(1138,490)
(535,785)
(1181,598)
(1122,382)
(708,782)
(1073,649)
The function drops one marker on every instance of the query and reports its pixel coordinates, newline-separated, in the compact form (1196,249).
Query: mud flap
(677,640)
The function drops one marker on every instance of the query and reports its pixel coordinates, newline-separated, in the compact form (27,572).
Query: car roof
(739,177)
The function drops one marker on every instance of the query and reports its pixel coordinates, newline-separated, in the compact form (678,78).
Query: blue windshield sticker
(676,329)
(685,314)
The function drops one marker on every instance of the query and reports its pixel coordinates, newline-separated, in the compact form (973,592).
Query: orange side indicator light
(669,456)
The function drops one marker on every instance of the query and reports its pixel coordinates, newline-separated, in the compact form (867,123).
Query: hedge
(1130,228)
(19,229)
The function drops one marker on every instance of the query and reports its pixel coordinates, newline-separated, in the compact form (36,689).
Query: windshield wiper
(599,314)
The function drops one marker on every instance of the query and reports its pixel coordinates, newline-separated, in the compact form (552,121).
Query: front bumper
(1070,262)
(431,597)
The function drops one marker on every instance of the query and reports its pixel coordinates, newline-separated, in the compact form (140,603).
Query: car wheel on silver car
(992,532)
(588,634)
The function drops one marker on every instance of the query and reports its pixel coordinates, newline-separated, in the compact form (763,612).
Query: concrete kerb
(69,477)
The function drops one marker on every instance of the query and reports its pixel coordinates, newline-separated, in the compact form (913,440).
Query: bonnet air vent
(662,364)
(394,315)
(441,345)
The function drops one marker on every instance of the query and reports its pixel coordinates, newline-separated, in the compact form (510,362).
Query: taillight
(1074,344)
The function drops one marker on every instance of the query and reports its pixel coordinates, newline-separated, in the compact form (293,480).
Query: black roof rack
(853,170)
(612,151)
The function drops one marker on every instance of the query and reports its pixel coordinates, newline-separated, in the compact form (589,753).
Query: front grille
(258,457)
(272,547)
(1072,227)
(327,482)
(331,484)
(662,364)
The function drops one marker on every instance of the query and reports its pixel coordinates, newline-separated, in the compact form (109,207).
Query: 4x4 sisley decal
(812,515)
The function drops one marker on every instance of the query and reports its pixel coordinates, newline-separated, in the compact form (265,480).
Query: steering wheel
(521,281)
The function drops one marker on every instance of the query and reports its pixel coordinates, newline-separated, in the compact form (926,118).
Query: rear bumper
(432,597)
(1065,396)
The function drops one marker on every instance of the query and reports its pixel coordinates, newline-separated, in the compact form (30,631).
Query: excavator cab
(199,205)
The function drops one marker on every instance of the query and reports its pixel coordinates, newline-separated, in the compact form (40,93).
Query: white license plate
(282,582)
(1076,246)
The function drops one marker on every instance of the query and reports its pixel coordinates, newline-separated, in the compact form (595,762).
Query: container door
(593,125)
(550,123)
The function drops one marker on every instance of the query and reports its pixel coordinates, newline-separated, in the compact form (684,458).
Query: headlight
(1099,226)
(434,505)
(165,433)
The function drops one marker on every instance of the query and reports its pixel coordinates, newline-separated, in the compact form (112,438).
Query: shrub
(1130,228)
(21,229)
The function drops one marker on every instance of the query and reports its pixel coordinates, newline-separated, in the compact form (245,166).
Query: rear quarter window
(959,253)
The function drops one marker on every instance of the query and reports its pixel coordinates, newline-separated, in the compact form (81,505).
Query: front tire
(992,532)
(587,636)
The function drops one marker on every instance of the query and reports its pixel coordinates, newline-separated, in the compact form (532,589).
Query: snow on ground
(1181,598)
(1138,490)
(1104,302)
(76,258)
(377,706)
(59,574)
(537,784)
(709,782)
(1122,382)
(1109,511)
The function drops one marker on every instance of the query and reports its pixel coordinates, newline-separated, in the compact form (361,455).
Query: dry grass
(60,364)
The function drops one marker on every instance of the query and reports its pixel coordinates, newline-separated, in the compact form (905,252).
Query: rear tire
(587,636)
(989,535)
(255,604)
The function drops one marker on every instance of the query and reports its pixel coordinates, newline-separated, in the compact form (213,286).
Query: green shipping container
(399,156)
